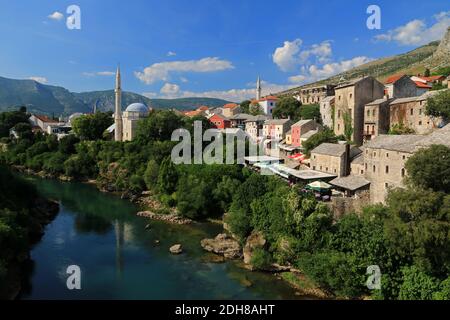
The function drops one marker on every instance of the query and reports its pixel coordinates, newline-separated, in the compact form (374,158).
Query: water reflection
(121,259)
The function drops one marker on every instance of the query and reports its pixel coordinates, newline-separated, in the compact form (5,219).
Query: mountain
(433,56)
(47,99)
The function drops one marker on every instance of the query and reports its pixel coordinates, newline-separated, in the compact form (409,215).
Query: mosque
(125,124)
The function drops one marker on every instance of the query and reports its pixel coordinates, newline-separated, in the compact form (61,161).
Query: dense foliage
(327,135)
(439,105)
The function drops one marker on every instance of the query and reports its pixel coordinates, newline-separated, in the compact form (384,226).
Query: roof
(359,159)
(276,121)
(402,143)
(45,118)
(254,159)
(219,115)
(328,99)
(331,149)
(268,98)
(241,116)
(137,107)
(377,102)
(301,122)
(431,78)
(422,85)
(193,113)
(111,128)
(230,106)
(394,78)
(352,82)
(309,134)
(307,174)
(203,108)
(257,118)
(350,182)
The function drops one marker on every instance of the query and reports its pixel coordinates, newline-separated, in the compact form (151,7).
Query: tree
(430,168)
(348,127)
(327,135)
(23,130)
(400,128)
(67,144)
(9,119)
(151,175)
(417,285)
(158,126)
(192,197)
(427,72)
(167,177)
(310,111)
(92,126)
(439,105)
(288,107)
(245,106)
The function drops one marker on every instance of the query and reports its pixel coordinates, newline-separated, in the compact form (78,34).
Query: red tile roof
(269,98)
(203,108)
(422,85)
(230,105)
(192,113)
(432,78)
(45,119)
(394,78)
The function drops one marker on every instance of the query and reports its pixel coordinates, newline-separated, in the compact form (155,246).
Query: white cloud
(162,70)
(289,56)
(56,16)
(315,72)
(184,80)
(286,57)
(171,54)
(416,32)
(39,79)
(171,91)
(99,73)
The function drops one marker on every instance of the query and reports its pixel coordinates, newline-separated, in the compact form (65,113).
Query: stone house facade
(326,111)
(333,158)
(350,101)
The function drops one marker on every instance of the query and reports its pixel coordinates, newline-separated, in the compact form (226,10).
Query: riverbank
(25,216)
(153,209)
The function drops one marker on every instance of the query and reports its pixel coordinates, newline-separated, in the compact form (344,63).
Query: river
(119,258)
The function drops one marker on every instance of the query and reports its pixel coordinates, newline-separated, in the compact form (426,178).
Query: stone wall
(343,205)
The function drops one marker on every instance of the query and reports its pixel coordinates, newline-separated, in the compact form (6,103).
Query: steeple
(118,108)
(258,88)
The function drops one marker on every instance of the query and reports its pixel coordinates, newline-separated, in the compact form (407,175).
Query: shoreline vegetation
(273,223)
(23,218)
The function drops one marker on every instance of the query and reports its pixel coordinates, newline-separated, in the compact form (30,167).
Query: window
(373,112)
(368,112)
(326,169)
(339,98)
(314,167)
(386,185)
(365,166)
(412,111)
(339,114)
(403,157)
(387,155)
(420,123)
(420,111)
(374,169)
(351,95)
(374,154)
(387,169)
(403,172)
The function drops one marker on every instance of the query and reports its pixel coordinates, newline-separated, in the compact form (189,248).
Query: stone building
(276,128)
(350,99)
(410,113)
(326,111)
(230,109)
(333,158)
(376,118)
(130,118)
(385,157)
(254,126)
(315,94)
(238,120)
(400,86)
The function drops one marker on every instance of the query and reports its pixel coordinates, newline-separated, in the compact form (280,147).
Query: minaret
(258,89)
(118,108)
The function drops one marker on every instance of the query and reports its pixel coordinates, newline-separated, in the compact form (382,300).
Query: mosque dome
(137,107)
(74,116)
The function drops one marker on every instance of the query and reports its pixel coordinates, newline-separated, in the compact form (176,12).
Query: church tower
(118,108)
(258,89)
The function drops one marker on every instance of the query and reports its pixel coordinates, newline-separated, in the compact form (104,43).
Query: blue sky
(205,47)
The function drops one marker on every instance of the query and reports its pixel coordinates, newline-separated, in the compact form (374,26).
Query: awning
(318,186)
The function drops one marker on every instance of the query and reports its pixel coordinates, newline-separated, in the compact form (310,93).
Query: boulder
(255,240)
(176,249)
(224,245)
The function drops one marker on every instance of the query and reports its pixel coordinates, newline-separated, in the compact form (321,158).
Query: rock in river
(224,245)
(176,249)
